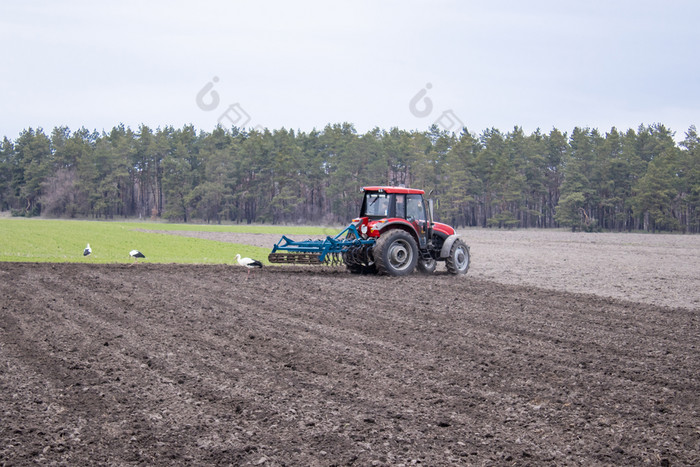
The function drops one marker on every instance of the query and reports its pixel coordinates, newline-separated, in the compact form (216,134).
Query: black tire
(458,260)
(426,266)
(395,253)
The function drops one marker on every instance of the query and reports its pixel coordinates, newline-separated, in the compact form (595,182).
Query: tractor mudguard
(385,225)
(445,251)
(392,222)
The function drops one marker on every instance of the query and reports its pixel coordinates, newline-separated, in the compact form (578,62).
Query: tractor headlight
(363,229)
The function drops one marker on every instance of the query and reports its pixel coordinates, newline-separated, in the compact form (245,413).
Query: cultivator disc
(358,256)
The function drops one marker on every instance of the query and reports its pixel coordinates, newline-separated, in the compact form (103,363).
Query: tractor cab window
(414,208)
(376,205)
(400,206)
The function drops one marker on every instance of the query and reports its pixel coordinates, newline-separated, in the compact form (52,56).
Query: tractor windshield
(376,205)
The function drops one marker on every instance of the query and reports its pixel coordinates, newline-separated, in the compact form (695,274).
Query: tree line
(620,180)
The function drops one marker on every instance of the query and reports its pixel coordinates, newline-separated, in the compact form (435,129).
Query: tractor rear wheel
(395,253)
(458,260)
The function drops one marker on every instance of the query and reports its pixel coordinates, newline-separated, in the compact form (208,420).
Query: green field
(61,241)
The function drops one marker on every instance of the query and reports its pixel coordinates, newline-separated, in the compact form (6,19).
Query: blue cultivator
(347,246)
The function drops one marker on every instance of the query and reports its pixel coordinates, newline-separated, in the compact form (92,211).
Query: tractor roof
(394,189)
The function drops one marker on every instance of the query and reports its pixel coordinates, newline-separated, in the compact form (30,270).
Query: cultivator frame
(333,251)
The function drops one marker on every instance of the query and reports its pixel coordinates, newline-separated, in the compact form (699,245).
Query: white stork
(136,254)
(248,263)
(87,250)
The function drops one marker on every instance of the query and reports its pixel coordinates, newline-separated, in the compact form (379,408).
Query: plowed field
(163,364)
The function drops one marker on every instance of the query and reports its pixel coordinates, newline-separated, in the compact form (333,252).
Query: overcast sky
(304,64)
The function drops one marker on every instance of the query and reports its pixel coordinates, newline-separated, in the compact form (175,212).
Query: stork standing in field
(248,263)
(136,254)
(87,250)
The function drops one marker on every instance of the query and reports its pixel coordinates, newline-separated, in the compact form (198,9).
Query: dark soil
(196,365)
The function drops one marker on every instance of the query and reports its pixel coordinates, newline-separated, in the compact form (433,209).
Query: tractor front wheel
(458,260)
(395,253)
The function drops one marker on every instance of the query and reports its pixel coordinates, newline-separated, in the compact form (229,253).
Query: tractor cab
(384,206)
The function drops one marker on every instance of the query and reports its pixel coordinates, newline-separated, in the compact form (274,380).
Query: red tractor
(394,235)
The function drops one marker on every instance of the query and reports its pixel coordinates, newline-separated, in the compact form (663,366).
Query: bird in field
(136,254)
(248,263)
(87,250)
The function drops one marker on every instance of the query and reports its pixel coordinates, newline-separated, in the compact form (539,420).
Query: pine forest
(633,180)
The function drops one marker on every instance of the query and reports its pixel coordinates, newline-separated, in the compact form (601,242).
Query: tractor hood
(444,228)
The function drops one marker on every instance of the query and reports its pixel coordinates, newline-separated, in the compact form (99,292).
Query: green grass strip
(60,241)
